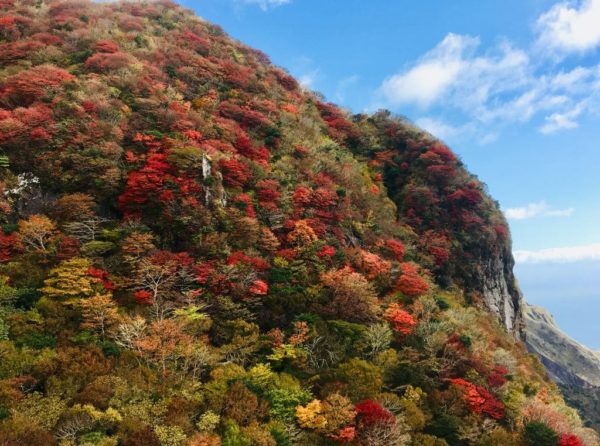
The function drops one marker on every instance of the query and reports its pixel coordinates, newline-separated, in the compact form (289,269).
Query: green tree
(8,296)
(363,379)
(233,435)
(538,434)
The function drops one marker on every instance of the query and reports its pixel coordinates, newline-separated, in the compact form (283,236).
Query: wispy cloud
(434,74)
(453,73)
(308,79)
(560,121)
(446,131)
(265,4)
(536,210)
(560,212)
(492,88)
(477,90)
(443,129)
(570,27)
(559,255)
(306,71)
(344,85)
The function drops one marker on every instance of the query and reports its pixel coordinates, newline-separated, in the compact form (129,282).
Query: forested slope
(196,251)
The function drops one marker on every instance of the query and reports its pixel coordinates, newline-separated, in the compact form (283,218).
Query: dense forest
(195,251)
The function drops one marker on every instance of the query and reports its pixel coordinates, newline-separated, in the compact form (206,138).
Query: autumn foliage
(195,251)
(480,400)
(569,440)
(400,320)
(410,283)
(370,413)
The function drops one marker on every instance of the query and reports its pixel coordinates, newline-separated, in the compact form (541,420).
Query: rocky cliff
(501,293)
(573,366)
(448,221)
(195,250)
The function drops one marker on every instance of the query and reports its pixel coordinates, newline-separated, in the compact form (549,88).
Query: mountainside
(574,367)
(196,251)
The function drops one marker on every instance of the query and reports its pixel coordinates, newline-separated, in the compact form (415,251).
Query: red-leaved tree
(479,399)
(569,440)
(370,413)
(27,86)
(401,321)
(410,283)
(235,173)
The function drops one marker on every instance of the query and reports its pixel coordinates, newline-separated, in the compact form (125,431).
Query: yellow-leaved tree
(70,280)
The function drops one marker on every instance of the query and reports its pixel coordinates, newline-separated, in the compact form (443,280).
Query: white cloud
(570,27)
(439,69)
(344,85)
(537,210)
(529,211)
(490,89)
(572,79)
(453,73)
(560,212)
(308,79)
(559,255)
(456,133)
(441,129)
(564,120)
(306,71)
(266,4)
(559,121)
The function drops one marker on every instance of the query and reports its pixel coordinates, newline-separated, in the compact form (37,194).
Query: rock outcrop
(574,367)
(196,250)
(567,361)
(500,292)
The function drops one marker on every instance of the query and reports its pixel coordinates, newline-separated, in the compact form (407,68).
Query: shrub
(107,61)
(538,434)
(364,380)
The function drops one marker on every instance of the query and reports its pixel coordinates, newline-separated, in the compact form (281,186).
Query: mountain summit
(196,251)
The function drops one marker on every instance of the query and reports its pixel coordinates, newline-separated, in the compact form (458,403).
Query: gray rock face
(574,367)
(567,361)
(500,292)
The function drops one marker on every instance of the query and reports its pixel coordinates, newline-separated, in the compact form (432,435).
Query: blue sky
(512,86)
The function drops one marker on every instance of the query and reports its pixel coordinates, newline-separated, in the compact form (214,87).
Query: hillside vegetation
(195,251)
